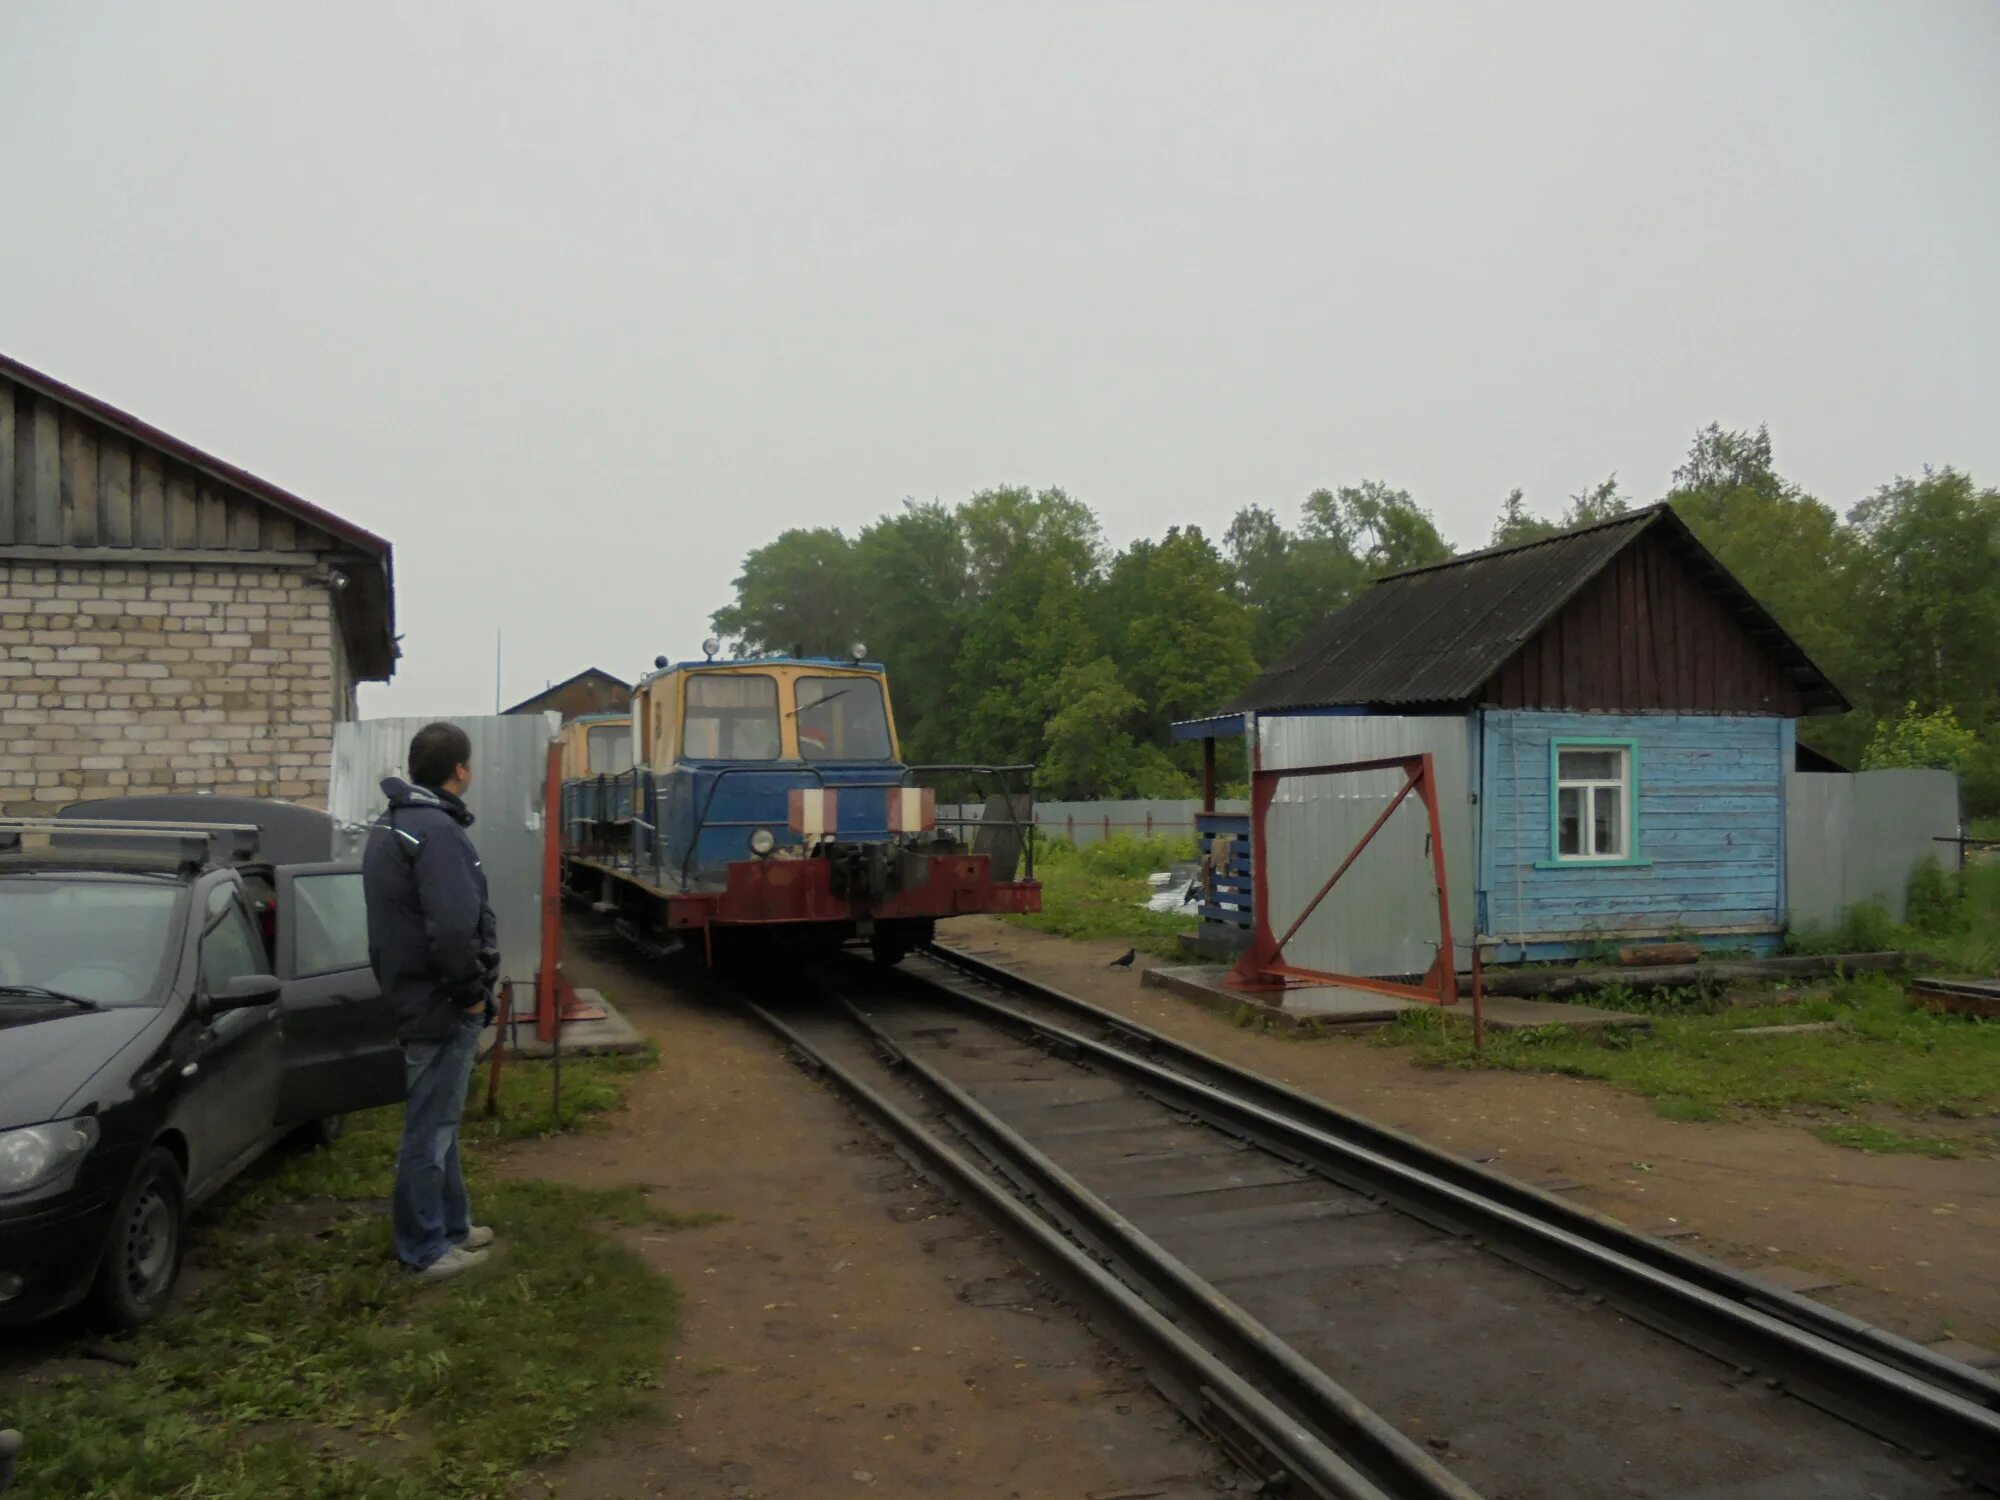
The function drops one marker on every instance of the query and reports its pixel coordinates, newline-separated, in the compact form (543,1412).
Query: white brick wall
(158,678)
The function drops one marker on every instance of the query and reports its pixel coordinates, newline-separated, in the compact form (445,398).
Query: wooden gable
(70,481)
(1646,635)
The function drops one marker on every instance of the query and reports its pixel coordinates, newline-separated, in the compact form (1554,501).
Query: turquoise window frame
(1557,860)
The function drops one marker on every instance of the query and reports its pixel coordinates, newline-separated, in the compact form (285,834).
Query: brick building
(168,622)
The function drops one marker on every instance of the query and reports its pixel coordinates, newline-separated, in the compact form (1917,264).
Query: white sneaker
(478,1237)
(449,1264)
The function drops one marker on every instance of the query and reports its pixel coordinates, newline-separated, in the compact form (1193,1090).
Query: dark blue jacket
(431,938)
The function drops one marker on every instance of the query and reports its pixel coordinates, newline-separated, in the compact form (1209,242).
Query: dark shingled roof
(1434,636)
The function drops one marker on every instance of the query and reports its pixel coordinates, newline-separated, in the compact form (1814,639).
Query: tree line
(1014,634)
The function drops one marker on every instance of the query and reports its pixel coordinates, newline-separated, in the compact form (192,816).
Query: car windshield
(842,718)
(99,940)
(731,716)
(610,749)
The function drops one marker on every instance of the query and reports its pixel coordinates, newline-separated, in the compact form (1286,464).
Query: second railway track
(1354,1314)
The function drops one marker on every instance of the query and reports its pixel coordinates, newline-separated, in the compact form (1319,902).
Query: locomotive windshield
(610,749)
(842,718)
(731,716)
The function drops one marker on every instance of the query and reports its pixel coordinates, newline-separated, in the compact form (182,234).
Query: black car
(169,1008)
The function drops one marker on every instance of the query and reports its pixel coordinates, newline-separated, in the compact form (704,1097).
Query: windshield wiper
(37,992)
(817,702)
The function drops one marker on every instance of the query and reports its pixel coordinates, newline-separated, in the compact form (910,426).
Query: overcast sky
(577,303)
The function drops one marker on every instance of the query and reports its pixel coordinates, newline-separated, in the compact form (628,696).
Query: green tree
(1088,751)
(798,593)
(1384,528)
(1290,582)
(1933,741)
(1789,550)
(1600,502)
(1180,633)
(1518,524)
(1929,594)
(915,604)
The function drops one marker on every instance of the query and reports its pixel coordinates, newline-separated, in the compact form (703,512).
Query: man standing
(431,943)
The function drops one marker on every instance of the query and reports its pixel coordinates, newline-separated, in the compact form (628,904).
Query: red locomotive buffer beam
(1263,965)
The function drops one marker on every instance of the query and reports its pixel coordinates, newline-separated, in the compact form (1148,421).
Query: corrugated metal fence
(1382,917)
(1088,822)
(1854,839)
(509,765)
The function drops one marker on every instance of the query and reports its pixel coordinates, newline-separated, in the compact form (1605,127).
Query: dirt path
(843,1331)
(1911,1238)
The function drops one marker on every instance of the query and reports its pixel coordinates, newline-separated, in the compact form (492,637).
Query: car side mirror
(244,991)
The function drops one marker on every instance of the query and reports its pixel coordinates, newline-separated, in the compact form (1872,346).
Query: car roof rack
(196,843)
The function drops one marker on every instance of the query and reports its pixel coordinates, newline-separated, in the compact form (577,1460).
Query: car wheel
(143,1258)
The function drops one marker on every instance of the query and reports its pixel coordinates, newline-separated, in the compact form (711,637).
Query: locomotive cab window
(842,718)
(609,751)
(730,716)
(1594,802)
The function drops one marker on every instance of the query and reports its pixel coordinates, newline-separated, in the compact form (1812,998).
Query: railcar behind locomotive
(765,800)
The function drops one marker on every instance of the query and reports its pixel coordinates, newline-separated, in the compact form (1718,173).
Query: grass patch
(304,1363)
(1880,1138)
(1094,892)
(1885,1055)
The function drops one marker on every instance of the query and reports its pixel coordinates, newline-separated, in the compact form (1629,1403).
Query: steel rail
(1271,1444)
(1308,1392)
(1882,1384)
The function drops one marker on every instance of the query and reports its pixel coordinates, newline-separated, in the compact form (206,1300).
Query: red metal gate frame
(1262,966)
(556,1000)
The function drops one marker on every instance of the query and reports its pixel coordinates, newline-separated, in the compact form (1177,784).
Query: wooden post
(1208,774)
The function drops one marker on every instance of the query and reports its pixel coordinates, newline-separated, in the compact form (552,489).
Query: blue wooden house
(1611,716)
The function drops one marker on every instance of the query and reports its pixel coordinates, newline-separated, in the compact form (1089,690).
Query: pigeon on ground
(1125,962)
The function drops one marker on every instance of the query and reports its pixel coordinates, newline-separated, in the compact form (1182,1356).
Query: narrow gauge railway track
(1355,1315)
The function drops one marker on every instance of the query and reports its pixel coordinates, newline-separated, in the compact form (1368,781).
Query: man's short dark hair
(437,752)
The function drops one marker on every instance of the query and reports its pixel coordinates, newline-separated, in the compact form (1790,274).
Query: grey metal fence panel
(1088,822)
(1382,917)
(510,765)
(1855,839)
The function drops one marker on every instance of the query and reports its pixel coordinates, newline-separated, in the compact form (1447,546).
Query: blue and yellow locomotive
(767,796)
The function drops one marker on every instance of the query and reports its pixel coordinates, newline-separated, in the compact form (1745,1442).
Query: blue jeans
(431,1212)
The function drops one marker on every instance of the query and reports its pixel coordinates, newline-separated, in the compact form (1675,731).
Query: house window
(1594,799)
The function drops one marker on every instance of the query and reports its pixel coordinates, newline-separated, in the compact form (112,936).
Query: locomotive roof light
(858,651)
(709,647)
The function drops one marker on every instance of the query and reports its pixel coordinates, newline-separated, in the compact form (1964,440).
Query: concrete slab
(1328,1004)
(1512,1013)
(579,1038)
(1337,1005)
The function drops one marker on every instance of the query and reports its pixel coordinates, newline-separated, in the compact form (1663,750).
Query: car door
(239,1053)
(341,1052)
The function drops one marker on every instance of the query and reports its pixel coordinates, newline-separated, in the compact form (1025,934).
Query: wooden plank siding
(68,480)
(1645,637)
(1710,828)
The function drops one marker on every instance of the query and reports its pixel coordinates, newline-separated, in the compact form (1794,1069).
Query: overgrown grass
(1095,892)
(1882,1139)
(304,1363)
(1883,1056)
(1954,919)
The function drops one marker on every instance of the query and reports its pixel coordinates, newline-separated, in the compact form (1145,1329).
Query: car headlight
(762,842)
(32,1155)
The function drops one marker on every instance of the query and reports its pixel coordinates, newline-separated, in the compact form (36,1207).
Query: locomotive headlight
(858,651)
(762,842)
